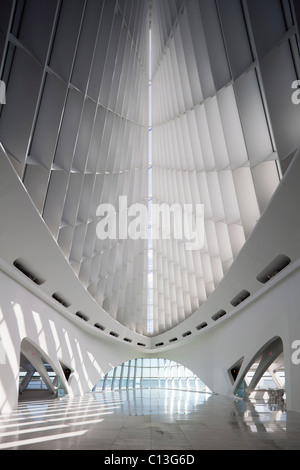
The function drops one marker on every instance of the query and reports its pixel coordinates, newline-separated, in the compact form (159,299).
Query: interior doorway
(264,378)
(37,378)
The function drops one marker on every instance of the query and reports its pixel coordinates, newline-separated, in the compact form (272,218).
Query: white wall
(274,313)
(24,315)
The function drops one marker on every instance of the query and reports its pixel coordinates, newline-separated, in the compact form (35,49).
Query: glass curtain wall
(151,373)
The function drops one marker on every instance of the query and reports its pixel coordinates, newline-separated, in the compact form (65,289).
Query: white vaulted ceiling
(76,128)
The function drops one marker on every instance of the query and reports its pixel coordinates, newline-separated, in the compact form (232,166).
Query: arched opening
(151,373)
(37,377)
(264,378)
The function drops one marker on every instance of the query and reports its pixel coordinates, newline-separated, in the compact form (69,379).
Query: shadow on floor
(36,395)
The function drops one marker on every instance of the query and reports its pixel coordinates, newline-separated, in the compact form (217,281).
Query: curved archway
(37,372)
(149,373)
(264,374)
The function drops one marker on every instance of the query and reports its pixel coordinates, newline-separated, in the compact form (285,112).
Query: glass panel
(60,389)
(116,383)
(108,384)
(155,373)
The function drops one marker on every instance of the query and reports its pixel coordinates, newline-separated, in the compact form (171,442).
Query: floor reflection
(170,402)
(150,420)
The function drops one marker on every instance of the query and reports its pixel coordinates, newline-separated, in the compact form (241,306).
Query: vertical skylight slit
(150,322)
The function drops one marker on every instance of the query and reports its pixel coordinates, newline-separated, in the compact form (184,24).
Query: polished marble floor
(148,420)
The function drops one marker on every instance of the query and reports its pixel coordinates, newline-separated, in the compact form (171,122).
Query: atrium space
(149,235)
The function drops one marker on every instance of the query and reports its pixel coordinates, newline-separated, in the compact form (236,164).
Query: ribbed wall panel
(75,125)
(212,137)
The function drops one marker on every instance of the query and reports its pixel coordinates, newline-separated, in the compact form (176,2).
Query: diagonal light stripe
(47,420)
(33,430)
(37,440)
(65,418)
(48,413)
(49,428)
